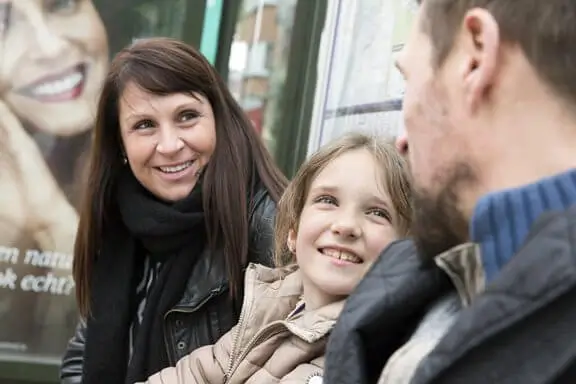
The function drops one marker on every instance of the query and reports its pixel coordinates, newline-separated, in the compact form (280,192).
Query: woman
(54,57)
(181,196)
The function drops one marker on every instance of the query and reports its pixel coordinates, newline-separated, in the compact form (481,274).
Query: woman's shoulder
(262,217)
(262,205)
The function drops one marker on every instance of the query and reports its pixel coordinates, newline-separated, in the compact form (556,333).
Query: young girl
(345,205)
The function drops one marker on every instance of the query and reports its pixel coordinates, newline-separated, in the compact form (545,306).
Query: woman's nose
(169,141)
(49,44)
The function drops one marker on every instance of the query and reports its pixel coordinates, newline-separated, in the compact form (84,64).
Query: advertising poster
(54,56)
(359,87)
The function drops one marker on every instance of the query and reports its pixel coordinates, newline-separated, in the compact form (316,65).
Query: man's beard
(438,223)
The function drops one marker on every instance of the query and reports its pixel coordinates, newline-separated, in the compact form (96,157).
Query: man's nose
(402,145)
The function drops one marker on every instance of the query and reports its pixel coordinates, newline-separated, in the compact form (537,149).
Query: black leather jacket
(206,310)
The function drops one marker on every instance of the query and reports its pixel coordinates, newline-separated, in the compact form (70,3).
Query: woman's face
(53,60)
(167,140)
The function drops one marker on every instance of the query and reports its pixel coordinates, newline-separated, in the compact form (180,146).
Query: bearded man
(485,292)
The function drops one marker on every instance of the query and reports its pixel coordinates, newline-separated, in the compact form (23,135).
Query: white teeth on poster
(358,86)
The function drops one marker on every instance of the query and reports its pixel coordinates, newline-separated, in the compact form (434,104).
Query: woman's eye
(325,200)
(188,115)
(381,213)
(143,125)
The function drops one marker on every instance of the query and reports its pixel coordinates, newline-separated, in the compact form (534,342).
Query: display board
(54,56)
(359,87)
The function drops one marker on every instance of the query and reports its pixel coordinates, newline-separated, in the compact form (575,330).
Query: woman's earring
(125,160)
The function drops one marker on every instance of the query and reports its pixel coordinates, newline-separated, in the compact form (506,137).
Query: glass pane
(258,59)
(360,88)
(53,58)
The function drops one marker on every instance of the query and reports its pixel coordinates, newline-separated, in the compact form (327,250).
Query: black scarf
(173,234)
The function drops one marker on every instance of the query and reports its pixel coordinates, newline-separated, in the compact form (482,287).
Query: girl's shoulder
(273,282)
(270,294)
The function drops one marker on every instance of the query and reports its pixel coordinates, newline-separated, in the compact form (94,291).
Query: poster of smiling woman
(54,55)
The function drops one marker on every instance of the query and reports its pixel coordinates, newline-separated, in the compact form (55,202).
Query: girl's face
(344,225)
(54,56)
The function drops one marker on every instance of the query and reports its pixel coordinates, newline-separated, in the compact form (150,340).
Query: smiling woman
(168,140)
(57,62)
(181,196)
(53,59)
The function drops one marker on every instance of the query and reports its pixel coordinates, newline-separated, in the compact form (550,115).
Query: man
(487,291)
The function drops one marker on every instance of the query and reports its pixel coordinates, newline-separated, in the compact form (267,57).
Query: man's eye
(5,17)
(54,6)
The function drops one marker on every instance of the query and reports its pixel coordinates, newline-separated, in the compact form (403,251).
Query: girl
(345,205)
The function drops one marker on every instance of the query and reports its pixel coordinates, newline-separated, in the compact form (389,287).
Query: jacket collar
(540,273)
(311,326)
(274,294)
(463,265)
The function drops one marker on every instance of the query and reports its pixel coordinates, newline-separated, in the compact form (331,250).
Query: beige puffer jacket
(273,342)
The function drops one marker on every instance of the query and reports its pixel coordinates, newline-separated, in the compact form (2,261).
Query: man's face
(439,140)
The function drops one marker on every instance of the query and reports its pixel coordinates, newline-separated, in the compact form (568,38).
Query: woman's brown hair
(165,66)
(395,177)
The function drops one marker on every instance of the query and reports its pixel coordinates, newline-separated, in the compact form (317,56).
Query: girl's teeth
(349,257)
(176,168)
(341,255)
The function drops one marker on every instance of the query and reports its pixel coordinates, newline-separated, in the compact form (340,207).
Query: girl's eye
(188,115)
(325,200)
(143,125)
(381,213)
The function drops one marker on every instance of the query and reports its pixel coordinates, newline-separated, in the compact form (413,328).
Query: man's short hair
(544,29)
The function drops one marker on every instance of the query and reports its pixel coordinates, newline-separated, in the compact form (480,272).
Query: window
(273,75)
(255,67)
(360,88)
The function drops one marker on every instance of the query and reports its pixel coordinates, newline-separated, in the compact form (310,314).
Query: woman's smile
(179,171)
(56,87)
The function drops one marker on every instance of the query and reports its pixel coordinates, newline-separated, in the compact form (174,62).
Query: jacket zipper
(271,330)
(169,348)
(240,323)
(315,374)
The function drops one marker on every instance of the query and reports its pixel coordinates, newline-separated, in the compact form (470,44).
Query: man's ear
(480,40)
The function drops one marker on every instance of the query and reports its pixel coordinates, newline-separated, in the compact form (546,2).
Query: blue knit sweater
(502,220)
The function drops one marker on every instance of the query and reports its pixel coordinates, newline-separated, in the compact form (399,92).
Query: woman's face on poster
(53,60)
